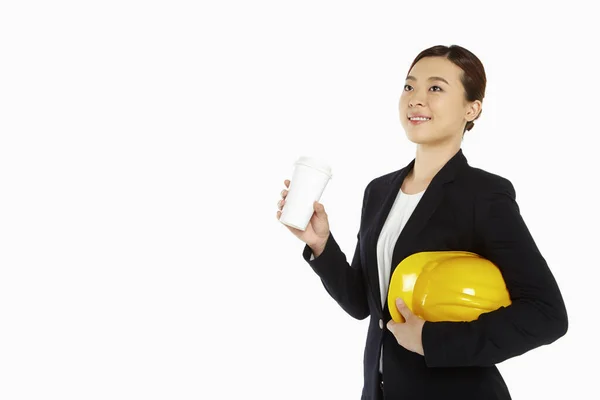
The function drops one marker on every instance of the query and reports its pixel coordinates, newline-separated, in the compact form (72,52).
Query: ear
(473,110)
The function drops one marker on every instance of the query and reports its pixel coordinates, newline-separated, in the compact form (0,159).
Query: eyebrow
(431,78)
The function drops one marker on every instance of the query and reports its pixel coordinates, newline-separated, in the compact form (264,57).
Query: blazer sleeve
(344,282)
(536,316)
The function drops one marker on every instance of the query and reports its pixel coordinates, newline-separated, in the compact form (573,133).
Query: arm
(537,315)
(344,282)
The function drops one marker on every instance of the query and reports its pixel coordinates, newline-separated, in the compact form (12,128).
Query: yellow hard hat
(447,286)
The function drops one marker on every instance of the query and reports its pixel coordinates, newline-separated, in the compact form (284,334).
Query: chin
(425,138)
(420,137)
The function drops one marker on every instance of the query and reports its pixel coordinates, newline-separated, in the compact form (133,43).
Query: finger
(403,308)
(284,193)
(391,325)
(280,204)
(319,208)
(286,183)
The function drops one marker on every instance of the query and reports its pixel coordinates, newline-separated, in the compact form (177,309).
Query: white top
(403,207)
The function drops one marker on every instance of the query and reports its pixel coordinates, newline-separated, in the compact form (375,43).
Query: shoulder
(381,183)
(385,179)
(483,182)
(477,181)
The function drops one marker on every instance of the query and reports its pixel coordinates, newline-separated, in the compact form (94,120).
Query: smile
(418,120)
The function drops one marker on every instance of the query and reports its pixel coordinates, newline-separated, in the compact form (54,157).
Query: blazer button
(380,324)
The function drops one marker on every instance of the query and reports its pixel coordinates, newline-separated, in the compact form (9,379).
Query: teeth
(419,119)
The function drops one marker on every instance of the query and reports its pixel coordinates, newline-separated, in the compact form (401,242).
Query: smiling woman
(438,202)
(443,93)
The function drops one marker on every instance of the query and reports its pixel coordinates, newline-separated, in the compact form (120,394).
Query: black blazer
(463,208)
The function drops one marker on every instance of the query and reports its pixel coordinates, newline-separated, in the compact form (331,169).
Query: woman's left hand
(408,334)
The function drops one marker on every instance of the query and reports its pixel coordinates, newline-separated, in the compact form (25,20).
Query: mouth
(418,120)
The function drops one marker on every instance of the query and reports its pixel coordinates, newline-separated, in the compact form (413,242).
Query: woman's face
(433,90)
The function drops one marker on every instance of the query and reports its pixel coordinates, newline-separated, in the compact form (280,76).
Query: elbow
(561,321)
(362,315)
(557,326)
(561,326)
(555,330)
(543,326)
(356,305)
(358,313)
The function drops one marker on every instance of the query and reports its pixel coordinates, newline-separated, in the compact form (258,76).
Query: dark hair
(473,78)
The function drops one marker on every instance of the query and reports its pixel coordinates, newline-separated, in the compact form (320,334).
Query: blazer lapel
(417,221)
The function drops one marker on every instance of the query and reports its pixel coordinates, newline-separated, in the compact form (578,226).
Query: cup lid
(315,163)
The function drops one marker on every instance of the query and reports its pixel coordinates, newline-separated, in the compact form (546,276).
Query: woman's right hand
(317,230)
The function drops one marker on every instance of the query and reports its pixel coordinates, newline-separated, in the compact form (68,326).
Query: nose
(415,100)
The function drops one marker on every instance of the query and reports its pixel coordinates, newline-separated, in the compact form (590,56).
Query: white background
(143,147)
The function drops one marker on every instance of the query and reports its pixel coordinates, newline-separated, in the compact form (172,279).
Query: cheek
(437,104)
(444,107)
(403,102)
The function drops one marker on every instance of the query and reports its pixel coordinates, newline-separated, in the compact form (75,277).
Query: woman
(452,206)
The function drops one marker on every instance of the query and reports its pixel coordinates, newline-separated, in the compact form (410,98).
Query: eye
(435,87)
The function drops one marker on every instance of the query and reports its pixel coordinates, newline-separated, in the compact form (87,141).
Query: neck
(429,160)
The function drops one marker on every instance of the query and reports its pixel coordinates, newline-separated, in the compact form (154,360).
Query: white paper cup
(309,179)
